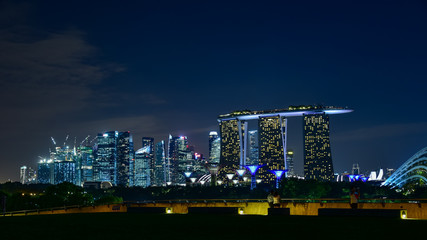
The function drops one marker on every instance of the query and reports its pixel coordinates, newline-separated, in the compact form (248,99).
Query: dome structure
(414,169)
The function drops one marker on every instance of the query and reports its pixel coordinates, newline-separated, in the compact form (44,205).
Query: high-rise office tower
(253,149)
(317,148)
(106,157)
(290,163)
(160,170)
(31,176)
(214,148)
(177,156)
(23,175)
(230,148)
(149,141)
(124,158)
(85,164)
(64,171)
(45,172)
(272,136)
(143,162)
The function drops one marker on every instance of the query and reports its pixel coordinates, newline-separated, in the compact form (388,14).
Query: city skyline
(156,69)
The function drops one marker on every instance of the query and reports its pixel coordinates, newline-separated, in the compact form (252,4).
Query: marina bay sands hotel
(272,132)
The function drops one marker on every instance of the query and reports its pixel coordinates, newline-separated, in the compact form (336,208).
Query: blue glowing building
(125,156)
(143,163)
(64,171)
(106,158)
(160,168)
(414,170)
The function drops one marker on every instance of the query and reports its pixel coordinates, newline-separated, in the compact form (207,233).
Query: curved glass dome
(415,169)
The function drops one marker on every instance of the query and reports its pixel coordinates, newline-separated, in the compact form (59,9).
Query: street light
(229,176)
(279,174)
(253,169)
(240,172)
(187,175)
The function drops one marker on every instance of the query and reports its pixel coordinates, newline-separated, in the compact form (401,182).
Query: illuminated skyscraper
(149,141)
(23,175)
(160,170)
(177,156)
(230,147)
(214,148)
(64,171)
(253,155)
(272,136)
(317,148)
(290,163)
(45,172)
(85,164)
(106,158)
(124,158)
(143,162)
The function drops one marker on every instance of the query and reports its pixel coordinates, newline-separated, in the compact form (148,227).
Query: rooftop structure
(291,111)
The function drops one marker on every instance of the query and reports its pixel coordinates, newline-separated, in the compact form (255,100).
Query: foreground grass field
(161,226)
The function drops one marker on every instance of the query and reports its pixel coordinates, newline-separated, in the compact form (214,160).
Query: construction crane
(53,140)
(84,140)
(93,139)
(66,139)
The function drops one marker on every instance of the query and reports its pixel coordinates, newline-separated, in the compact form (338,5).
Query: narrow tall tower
(272,135)
(230,147)
(317,148)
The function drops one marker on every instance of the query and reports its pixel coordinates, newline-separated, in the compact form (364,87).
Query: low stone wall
(414,210)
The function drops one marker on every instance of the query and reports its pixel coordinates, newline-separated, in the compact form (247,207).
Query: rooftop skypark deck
(291,111)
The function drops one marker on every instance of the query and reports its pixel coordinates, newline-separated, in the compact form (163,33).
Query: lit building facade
(23,175)
(178,158)
(149,142)
(143,162)
(106,158)
(230,147)
(317,148)
(290,163)
(124,149)
(253,143)
(160,168)
(64,171)
(85,164)
(214,147)
(272,145)
(45,172)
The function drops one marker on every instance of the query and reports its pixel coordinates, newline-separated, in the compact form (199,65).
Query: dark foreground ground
(161,226)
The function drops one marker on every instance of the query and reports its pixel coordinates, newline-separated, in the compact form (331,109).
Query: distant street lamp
(229,176)
(253,169)
(240,172)
(187,175)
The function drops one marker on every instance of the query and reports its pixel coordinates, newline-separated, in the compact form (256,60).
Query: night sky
(160,67)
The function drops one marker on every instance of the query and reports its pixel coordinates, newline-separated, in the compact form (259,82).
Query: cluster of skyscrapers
(112,158)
